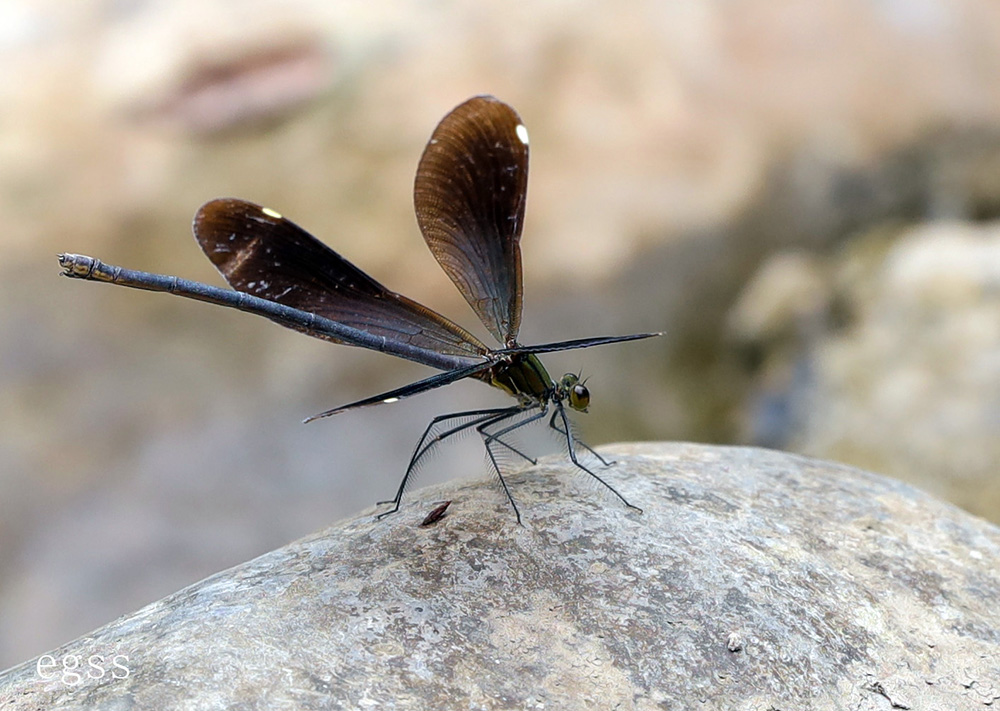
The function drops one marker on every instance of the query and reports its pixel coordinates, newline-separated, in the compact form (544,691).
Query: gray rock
(753,580)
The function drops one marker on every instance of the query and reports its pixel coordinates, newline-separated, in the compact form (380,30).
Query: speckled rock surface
(753,580)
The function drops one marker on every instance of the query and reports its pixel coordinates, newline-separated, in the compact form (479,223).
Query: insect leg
(570,444)
(554,425)
(423,446)
(491,437)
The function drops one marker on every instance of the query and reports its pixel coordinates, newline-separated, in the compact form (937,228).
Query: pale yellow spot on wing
(271,213)
(522,133)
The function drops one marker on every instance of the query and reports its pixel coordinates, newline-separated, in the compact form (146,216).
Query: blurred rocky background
(803,195)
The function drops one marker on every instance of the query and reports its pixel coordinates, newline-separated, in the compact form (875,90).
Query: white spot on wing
(391,399)
(522,133)
(274,213)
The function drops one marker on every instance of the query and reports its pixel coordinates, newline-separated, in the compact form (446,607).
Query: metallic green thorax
(523,376)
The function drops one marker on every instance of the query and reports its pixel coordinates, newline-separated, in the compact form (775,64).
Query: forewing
(469,196)
(259,252)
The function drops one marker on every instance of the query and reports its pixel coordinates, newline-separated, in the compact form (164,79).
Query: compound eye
(579,397)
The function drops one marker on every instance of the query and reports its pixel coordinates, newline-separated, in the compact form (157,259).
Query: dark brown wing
(469,196)
(259,252)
